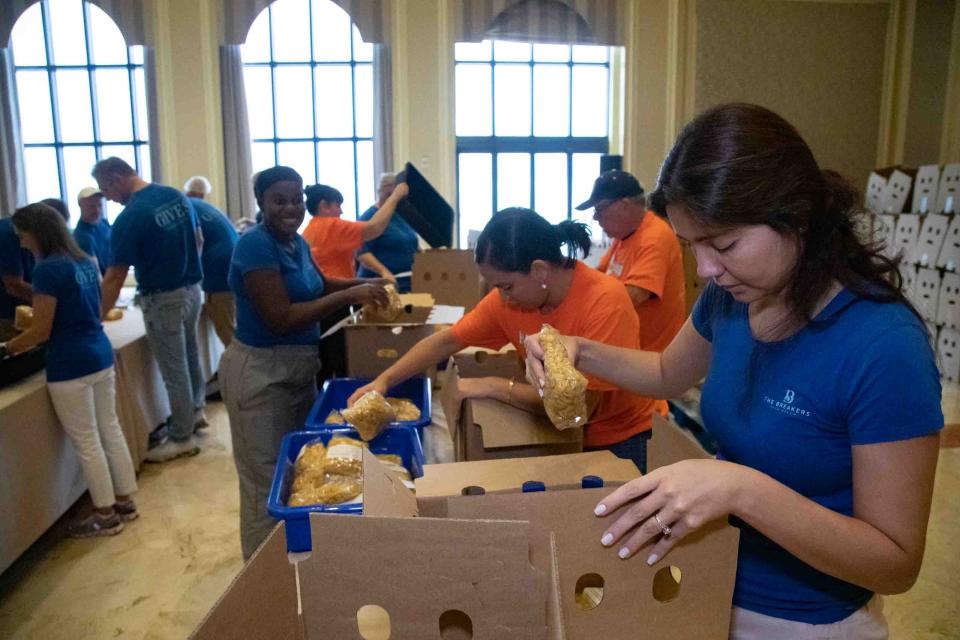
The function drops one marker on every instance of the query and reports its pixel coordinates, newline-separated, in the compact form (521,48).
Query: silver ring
(664,528)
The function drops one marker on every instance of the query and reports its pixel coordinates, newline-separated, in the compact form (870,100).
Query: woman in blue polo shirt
(821,388)
(268,373)
(80,375)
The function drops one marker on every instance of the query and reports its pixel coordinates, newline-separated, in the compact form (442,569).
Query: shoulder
(366,215)
(257,240)
(655,231)
(876,328)
(600,285)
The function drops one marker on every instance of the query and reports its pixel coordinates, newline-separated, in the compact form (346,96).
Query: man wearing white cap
(197,187)
(93,231)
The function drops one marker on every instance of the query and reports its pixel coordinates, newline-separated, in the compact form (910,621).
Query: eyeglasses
(602,206)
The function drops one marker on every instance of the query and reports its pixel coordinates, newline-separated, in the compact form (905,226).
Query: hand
(389,277)
(382,281)
(400,191)
(376,385)
(368,293)
(685,496)
(531,344)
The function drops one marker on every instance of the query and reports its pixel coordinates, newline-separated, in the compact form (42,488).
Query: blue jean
(171,319)
(633,448)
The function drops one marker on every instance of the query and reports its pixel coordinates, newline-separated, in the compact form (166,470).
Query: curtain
(238,163)
(13,188)
(562,21)
(382,111)
(153,119)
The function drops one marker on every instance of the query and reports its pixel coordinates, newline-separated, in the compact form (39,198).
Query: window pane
(589,53)
(551,52)
(113,104)
(27,38)
(550,186)
(257,46)
(262,156)
(362,51)
(334,101)
(294,97)
(291,30)
(66,32)
(77,163)
(299,155)
(473,97)
(472,51)
(335,162)
(73,100)
(123,151)
(136,54)
(113,210)
(590,97)
(475,192)
(551,95)
(512,90)
(140,90)
(146,169)
(331,32)
(364,100)
(33,96)
(366,188)
(259,92)
(40,167)
(513,180)
(586,168)
(511,51)
(107,42)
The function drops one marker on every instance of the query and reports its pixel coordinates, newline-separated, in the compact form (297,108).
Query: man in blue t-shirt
(219,239)
(16,271)
(158,234)
(92,232)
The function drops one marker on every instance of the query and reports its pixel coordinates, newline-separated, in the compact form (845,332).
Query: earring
(543,285)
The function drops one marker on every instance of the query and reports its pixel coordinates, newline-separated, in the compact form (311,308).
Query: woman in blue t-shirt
(268,373)
(392,253)
(79,358)
(821,388)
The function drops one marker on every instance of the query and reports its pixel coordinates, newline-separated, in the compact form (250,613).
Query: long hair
(49,230)
(515,237)
(741,164)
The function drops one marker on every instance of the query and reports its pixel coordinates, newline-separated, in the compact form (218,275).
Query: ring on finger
(664,528)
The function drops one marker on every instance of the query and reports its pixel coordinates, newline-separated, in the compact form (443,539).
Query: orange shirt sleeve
(349,233)
(481,327)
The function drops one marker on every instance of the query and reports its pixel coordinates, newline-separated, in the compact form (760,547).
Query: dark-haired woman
(268,373)
(521,255)
(821,388)
(80,374)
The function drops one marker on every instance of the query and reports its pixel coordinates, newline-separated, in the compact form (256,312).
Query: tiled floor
(157,579)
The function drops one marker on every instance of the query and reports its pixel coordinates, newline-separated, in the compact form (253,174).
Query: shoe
(171,449)
(126,511)
(199,420)
(96,525)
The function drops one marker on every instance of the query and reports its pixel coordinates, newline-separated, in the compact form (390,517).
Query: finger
(666,543)
(636,517)
(627,492)
(535,374)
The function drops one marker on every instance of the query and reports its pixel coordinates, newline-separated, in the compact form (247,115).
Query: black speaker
(608,163)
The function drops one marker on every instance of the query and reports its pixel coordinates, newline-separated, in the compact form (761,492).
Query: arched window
(309,84)
(81,96)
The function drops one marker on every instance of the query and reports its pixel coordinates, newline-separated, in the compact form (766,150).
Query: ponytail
(515,237)
(575,236)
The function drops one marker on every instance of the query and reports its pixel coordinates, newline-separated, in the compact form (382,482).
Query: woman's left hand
(684,496)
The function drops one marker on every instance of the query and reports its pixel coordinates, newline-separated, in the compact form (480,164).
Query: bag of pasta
(390,313)
(334,417)
(344,457)
(405,409)
(369,415)
(565,388)
(394,465)
(311,457)
(340,489)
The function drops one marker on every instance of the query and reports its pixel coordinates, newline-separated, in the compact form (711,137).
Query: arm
(368,260)
(339,284)
(638,295)
(110,288)
(377,224)
(17,287)
(44,308)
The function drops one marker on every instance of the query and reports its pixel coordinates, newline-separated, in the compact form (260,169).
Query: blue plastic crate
(336,391)
(403,442)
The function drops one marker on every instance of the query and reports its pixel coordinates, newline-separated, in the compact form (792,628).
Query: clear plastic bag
(404,409)
(389,313)
(339,489)
(565,388)
(344,457)
(369,415)
(334,417)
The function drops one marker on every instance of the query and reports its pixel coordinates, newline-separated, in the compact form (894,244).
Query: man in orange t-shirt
(645,256)
(334,241)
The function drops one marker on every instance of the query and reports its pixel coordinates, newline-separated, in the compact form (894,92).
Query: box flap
(270,581)
(503,425)
(501,475)
(418,570)
(384,493)
(478,363)
(670,444)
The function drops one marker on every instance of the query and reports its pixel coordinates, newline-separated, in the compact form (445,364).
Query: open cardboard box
(451,276)
(484,429)
(498,564)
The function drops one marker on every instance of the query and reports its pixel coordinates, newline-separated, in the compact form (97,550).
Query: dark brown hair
(515,237)
(741,164)
(113,167)
(49,230)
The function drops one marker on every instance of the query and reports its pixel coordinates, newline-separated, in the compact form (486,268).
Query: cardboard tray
(336,391)
(402,441)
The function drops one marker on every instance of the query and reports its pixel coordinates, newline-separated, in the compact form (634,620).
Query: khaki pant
(866,623)
(268,392)
(221,308)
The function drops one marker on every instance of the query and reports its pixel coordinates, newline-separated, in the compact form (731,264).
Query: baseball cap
(87,192)
(612,185)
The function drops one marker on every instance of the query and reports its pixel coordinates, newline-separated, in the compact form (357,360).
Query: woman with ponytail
(521,255)
(821,388)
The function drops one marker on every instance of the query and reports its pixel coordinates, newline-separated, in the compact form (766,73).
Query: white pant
(87,410)
(866,623)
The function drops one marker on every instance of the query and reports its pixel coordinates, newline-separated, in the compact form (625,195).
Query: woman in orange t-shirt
(520,254)
(334,241)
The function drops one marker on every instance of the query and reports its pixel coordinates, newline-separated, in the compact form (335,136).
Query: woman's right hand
(368,293)
(535,373)
(400,191)
(376,385)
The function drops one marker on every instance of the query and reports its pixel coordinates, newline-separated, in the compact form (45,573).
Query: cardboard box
(948,194)
(497,566)
(488,429)
(451,276)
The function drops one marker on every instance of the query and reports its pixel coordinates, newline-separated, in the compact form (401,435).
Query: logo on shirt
(86,276)
(787,405)
(171,215)
(616,268)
